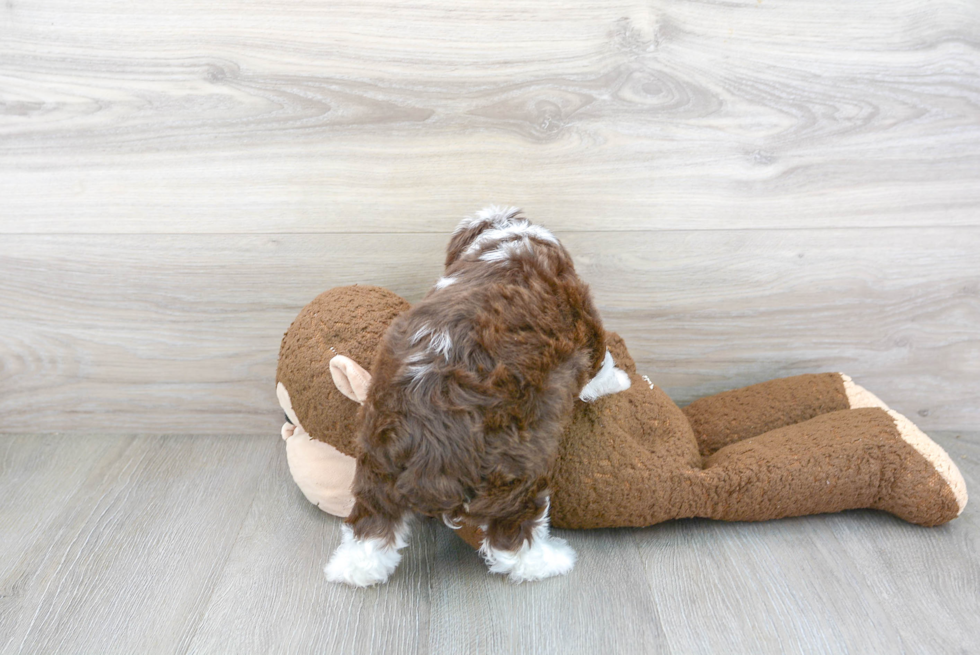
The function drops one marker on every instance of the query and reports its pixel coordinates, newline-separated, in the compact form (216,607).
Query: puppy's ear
(470,228)
(350,377)
(461,240)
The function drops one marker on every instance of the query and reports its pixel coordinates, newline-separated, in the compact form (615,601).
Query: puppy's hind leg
(368,552)
(524,550)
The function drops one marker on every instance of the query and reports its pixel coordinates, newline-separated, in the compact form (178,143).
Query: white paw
(544,558)
(361,562)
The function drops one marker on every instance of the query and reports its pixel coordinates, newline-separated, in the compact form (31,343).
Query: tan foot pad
(934,453)
(858,396)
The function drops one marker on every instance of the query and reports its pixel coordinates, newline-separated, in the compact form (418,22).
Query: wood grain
(753,188)
(203,544)
(166,333)
(131,560)
(39,477)
(606,609)
(272,596)
(347,117)
(859,581)
(812,584)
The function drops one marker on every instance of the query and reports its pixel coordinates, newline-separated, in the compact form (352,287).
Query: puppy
(469,392)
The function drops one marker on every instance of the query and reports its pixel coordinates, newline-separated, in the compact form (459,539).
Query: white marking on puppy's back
(415,372)
(495,215)
(498,216)
(523,229)
(506,250)
(542,233)
(444,282)
(420,334)
(441,343)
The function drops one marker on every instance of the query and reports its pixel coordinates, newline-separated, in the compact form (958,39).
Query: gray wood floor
(175,544)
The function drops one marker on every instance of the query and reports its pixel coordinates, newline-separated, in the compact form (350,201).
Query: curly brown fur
(471,387)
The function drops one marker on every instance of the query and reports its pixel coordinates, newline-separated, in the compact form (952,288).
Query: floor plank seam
(448,230)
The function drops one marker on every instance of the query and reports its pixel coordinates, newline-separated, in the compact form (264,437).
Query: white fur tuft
(365,562)
(506,250)
(420,334)
(494,215)
(520,230)
(444,282)
(544,557)
(415,372)
(497,215)
(441,343)
(542,233)
(608,380)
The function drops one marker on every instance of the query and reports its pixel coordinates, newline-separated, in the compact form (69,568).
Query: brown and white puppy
(469,391)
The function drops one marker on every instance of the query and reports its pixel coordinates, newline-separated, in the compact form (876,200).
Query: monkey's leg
(849,459)
(732,416)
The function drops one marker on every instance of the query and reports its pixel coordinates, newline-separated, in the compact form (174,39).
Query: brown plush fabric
(731,416)
(342,321)
(629,460)
(837,462)
(847,459)
(911,488)
(842,460)
(622,461)
(786,447)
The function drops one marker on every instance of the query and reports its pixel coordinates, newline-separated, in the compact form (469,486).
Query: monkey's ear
(350,377)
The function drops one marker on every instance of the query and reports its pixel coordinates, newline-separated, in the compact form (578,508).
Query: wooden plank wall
(754,188)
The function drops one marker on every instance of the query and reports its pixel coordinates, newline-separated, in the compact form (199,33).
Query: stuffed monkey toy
(794,446)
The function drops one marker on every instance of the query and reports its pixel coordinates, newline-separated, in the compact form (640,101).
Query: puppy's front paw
(361,562)
(544,558)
